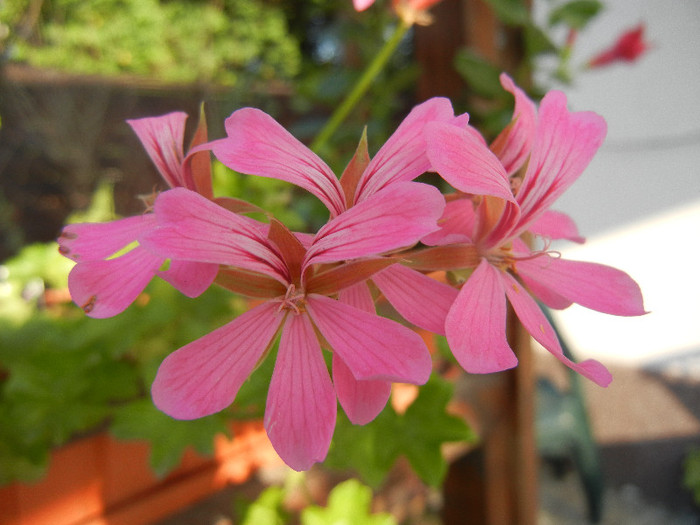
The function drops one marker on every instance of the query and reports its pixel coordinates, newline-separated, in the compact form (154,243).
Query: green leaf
(348,504)
(267,509)
(426,426)
(418,434)
(576,14)
(537,41)
(169,437)
(371,449)
(480,74)
(514,12)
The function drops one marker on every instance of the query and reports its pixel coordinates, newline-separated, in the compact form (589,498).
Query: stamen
(149,199)
(292,300)
(506,259)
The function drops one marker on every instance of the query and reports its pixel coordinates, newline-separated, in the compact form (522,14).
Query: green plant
(177,41)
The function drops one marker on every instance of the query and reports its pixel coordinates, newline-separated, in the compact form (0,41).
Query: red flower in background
(628,48)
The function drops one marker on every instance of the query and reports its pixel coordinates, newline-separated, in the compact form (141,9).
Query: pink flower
(627,48)
(298,285)
(258,145)
(361,5)
(398,5)
(557,145)
(104,284)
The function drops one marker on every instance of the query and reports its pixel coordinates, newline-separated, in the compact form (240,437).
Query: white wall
(639,201)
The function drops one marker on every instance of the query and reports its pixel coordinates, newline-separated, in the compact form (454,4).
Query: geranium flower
(103,284)
(497,264)
(627,48)
(297,286)
(258,145)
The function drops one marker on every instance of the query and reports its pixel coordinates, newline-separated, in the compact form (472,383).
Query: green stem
(360,88)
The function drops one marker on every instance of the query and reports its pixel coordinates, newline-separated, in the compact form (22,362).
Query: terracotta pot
(98,480)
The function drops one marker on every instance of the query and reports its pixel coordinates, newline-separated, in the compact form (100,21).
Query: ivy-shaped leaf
(426,425)
(418,434)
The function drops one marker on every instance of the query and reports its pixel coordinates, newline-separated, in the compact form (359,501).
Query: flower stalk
(360,88)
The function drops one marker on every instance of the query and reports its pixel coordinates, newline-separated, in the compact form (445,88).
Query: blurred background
(73,71)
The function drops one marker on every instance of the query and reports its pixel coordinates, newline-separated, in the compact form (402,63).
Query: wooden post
(496,484)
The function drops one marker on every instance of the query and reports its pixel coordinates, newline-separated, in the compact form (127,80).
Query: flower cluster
(386,234)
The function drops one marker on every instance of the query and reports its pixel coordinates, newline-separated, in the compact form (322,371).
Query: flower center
(504,258)
(293,300)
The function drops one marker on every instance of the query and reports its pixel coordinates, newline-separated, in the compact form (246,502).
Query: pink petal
(372,347)
(301,408)
(403,156)
(162,137)
(592,285)
(106,288)
(543,293)
(362,401)
(361,5)
(395,217)
(564,145)
(515,142)
(258,145)
(457,224)
(195,229)
(556,225)
(94,241)
(465,162)
(419,299)
(204,376)
(358,296)
(539,328)
(476,324)
(191,278)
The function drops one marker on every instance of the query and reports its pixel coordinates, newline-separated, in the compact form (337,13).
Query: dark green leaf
(575,14)
(427,425)
(371,449)
(418,434)
(537,41)
(480,74)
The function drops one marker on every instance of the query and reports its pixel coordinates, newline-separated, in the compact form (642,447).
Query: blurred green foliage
(184,41)
(349,503)
(63,373)
(691,473)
